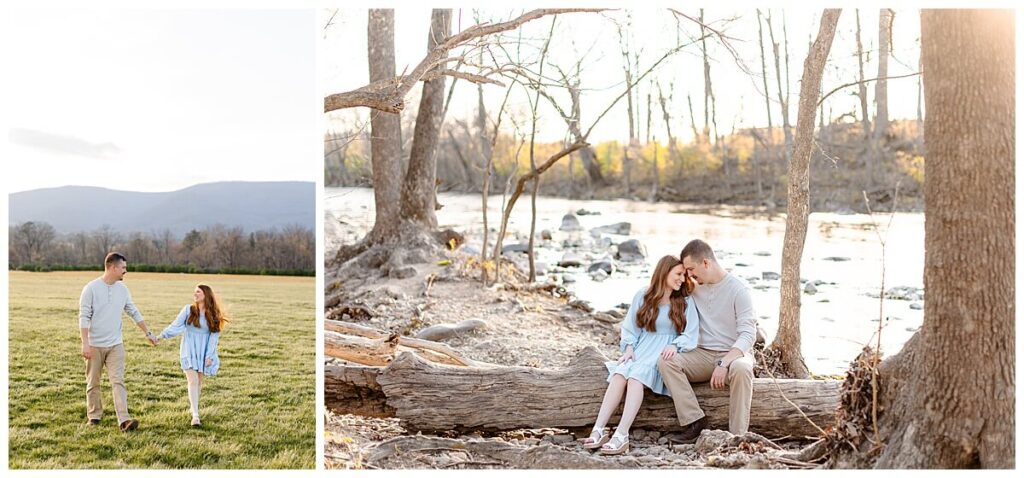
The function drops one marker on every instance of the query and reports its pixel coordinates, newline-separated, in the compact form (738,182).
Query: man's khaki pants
(697,366)
(111,358)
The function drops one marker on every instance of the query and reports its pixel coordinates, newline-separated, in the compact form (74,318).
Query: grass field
(258,412)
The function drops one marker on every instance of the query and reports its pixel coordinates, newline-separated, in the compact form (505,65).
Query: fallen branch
(436,352)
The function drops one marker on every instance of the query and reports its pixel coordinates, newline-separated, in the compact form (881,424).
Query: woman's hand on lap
(669,352)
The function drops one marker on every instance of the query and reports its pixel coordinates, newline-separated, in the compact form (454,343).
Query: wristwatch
(720,363)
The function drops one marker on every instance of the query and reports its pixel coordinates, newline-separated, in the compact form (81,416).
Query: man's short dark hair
(697,250)
(112,258)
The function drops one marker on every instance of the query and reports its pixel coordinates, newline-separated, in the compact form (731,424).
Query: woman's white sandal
(617,445)
(598,437)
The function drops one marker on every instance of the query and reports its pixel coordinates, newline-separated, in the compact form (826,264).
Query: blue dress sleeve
(630,332)
(687,341)
(178,326)
(211,343)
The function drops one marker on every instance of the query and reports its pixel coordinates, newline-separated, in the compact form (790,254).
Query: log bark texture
(431,397)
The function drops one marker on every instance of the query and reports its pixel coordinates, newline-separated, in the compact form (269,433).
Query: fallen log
(354,389)
(432,397)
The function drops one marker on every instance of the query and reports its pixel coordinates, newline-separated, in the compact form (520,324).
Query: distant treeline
(748,166)
(36,246)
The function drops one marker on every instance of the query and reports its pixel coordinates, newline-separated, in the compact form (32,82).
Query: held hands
(153,339)
(626,357)
(669,352)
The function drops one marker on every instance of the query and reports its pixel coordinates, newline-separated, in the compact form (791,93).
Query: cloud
(57,143)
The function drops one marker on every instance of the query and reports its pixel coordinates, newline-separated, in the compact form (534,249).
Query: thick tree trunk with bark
(787,341)
(385,128)
(432,397)
(418,191)
(947,399)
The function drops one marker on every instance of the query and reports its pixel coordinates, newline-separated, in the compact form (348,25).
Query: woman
(201,323)
(660,323)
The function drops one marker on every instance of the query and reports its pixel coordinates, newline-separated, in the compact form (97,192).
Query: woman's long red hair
(215,318)
(648,313)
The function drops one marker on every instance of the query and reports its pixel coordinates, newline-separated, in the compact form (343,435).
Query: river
(837,320)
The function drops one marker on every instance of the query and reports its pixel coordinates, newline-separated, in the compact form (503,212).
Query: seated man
(724,351)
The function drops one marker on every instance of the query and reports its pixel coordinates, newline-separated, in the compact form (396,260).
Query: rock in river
(620,228)
(570,223)
(571,259)
(631,250)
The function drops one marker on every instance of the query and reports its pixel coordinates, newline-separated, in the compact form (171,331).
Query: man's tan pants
(111,358)
(697,366)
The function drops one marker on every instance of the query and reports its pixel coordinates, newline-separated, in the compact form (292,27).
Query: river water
(836,321)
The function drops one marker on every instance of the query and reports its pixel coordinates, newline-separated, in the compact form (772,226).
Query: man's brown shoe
(129,425)
(690,432)
(94,421)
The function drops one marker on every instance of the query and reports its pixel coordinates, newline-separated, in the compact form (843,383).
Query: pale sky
(163,98)
(739,99)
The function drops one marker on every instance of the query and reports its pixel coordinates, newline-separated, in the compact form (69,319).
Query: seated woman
(661,321)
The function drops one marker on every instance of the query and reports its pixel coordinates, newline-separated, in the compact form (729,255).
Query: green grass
(258,412)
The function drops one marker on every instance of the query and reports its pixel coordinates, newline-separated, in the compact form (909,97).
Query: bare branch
(393,99)
(820,101)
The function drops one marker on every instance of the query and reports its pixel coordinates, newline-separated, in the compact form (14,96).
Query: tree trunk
(627,159)
(862,94)
(587,153)
(654,176)
(787,130)
(881,91)
(707,76)
(693,121)
(385,128)
(767,106)
(787,341)
(418,191)
(948,397)
(431,397)
(673,153)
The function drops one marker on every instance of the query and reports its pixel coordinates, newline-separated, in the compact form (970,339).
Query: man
(724,346)
(100,307)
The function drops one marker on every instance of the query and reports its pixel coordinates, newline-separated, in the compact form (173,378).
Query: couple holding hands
(100,307)
(694,322)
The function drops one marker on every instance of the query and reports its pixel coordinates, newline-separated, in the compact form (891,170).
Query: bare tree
(787,342)
(533,160)
(673,152)
(30,241)
(862,94)
(881,91)
(787,130)
(947,399)
(768,109)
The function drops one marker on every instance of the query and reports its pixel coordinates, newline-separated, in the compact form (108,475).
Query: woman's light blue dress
(647,346)
(197,345)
